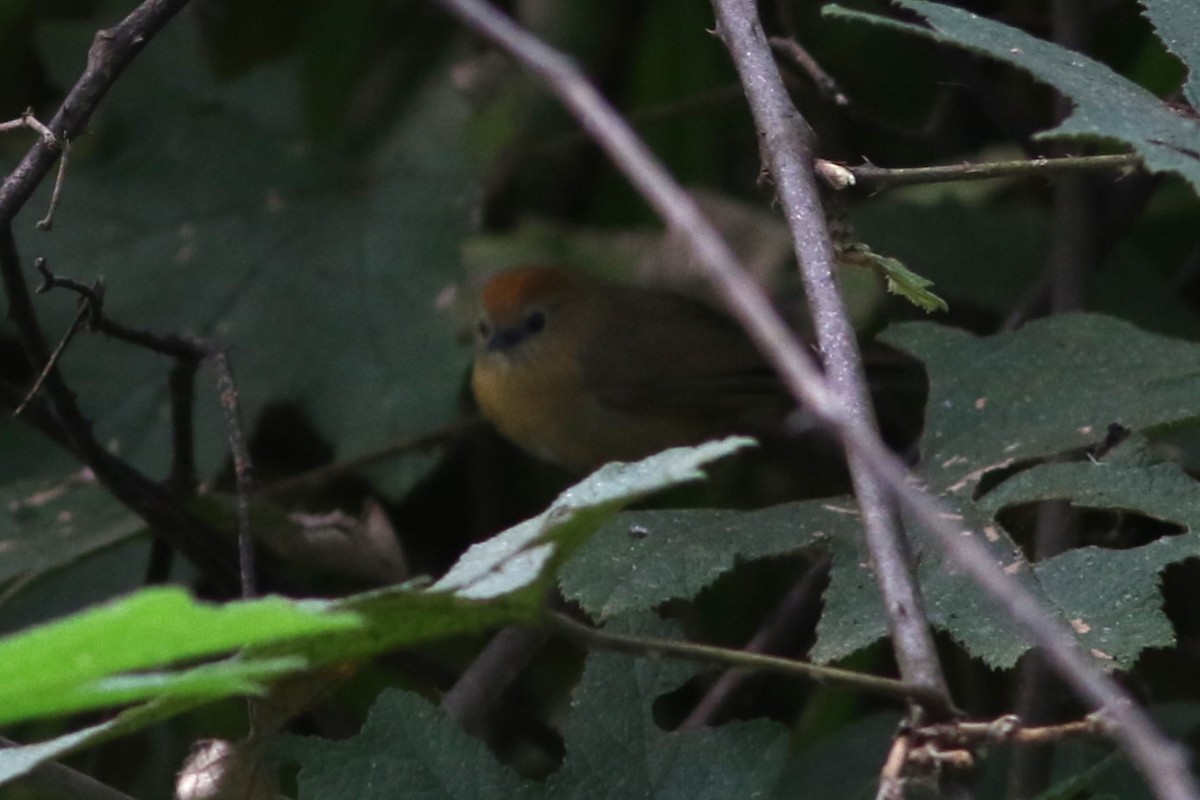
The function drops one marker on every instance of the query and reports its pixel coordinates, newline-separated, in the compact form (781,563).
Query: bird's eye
(485,330)
(535,322)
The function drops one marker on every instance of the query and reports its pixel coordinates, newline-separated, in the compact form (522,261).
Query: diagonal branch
(111,52)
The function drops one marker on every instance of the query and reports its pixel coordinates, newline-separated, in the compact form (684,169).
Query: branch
(196,540)
(242,469)
(1163,762)
(840,176)
(787,150)
(707,654)
(111,52)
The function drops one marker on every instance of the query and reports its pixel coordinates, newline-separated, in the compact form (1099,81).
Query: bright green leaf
(69,665)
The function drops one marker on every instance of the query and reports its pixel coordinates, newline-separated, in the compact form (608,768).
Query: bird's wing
(665,355)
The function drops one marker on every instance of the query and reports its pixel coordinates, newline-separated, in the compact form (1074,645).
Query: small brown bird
(581,371)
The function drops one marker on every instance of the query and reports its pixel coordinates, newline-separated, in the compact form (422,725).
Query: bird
(581,371)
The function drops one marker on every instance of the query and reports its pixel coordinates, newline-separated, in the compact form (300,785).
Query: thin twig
(841,176)
(795,54)
(111,52)
(1163,762)
(891,776)
(46,223)
(723,656)
(52,362)
(328,472)
(787,151)
(242,469)
(1008,730)
(802,601)
(161,510)
(483,683)
(180,347)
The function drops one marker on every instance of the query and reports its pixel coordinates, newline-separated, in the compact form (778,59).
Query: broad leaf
(614,749)
(45,524)
(1055,385)
(323,279)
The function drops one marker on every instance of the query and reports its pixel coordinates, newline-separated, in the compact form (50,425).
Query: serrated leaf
(1106,105)
(900,279)
(1112,597)
(71,664)
(1177,24)
(1052,386)
(611,723)
(641,559)
(407,742)
(517,558)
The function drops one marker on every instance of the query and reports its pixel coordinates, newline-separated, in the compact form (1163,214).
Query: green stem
(740,659)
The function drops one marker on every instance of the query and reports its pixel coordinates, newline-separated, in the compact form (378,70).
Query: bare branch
(242,469)
(111,52)
(787,151)
(841,176)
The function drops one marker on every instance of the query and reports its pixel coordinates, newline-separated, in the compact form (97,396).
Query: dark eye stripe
(535,322)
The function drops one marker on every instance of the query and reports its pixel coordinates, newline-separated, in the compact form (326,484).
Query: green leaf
(642,559)
(1053,386)
(71,664)
(1106,105)
(1112,597)
(611,724)
(1177,23)
(323,278)
(900,279)
(995,243)
(406,742)
(403,616)
(520,556)
(614,749)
